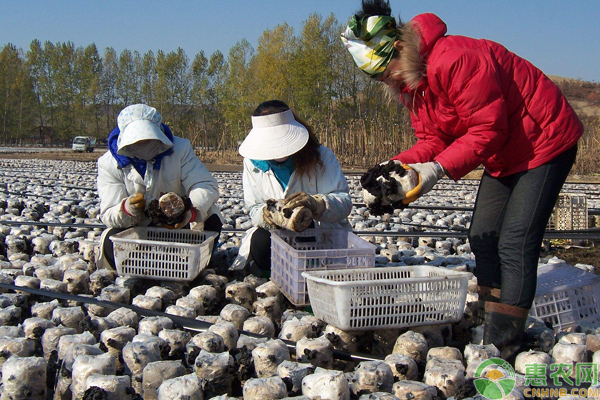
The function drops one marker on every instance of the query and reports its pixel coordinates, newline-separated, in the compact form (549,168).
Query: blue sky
(560,37)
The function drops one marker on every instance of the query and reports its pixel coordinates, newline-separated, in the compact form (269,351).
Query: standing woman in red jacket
(474,102)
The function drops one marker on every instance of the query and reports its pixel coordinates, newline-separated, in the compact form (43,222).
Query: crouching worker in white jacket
(290,182)
(145,160)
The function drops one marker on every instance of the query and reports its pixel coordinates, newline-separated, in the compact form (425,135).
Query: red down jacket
(474,102)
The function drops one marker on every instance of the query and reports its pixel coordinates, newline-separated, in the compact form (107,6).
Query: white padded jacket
(328,181)
(180,172)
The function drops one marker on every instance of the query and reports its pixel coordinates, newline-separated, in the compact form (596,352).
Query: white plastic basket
(314,249)
(389,297)
(566,296)
(160,253)
(571,212)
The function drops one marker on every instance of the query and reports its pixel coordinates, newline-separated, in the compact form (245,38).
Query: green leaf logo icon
(494,378)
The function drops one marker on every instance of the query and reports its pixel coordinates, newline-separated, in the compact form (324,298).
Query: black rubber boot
(504,327)
(485,294)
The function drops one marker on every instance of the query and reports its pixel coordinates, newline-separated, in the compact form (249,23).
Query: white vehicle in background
(84,143)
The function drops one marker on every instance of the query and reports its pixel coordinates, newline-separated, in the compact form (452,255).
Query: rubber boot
(504,327)
(485,294)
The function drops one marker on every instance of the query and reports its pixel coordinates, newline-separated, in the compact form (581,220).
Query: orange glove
(415,192)
(429,174)
(134,205)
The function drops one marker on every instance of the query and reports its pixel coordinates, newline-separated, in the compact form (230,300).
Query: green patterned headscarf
(370,41)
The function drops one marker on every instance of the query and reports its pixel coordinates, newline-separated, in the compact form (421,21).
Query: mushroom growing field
(69,330)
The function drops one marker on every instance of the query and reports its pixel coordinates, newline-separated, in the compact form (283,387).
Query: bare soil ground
(93,157)
(53,155)
(586,254)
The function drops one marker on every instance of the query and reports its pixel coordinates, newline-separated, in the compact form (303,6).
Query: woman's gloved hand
(134,205)
(388,186)
(272,216)
(171,204)
(314,203)
(429,174)
(171,211)
(297,219)
(188,216)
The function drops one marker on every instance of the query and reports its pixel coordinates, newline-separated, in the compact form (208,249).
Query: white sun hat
(274,136)
(140,122)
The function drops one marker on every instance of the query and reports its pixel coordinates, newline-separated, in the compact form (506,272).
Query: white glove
(430,173)
(134,205)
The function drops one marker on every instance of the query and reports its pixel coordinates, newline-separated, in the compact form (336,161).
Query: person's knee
(260,248)
(213,224)
(107,246)
(261,241)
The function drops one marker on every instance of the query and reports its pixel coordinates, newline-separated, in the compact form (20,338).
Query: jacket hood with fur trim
(418,36)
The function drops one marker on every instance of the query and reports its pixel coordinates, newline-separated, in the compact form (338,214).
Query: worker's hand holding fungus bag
(134,205)
(314,203)
(391,184)
(171,211)
(296,219)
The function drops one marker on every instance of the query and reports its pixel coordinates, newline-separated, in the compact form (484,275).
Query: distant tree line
(53,92)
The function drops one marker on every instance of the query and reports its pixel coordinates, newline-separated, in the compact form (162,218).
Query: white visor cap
(274,136)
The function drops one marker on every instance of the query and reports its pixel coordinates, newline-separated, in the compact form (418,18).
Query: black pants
(509,221)
(212,224)
(260,249)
